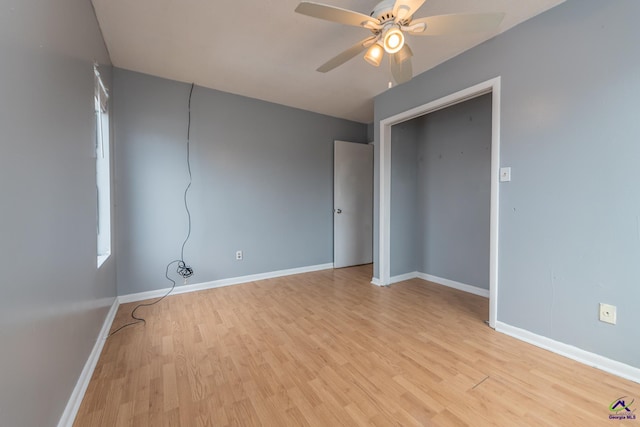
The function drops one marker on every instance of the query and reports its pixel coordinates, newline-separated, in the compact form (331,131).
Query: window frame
(103,170)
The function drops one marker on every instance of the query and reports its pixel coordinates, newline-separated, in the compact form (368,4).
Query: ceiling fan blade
(457,24)
(403,54)
(347,54)
(334,14)
(401,72)
(403,9)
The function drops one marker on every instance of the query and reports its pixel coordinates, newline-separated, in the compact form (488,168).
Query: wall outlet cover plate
(607,313)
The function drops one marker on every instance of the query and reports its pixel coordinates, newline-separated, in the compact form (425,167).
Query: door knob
(339,211)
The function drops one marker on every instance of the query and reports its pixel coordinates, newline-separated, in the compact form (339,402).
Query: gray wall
(262,182)
(569,219)
(405,244)
(454,192)
(440,193)
(54,299)
(370,132)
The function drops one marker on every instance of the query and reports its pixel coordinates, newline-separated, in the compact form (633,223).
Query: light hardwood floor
(330,349)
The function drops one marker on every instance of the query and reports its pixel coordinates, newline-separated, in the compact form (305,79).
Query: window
(103,171)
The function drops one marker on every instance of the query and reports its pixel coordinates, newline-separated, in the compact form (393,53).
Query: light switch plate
(505,174)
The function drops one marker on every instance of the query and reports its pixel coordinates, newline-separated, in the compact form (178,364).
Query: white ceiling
(263,49)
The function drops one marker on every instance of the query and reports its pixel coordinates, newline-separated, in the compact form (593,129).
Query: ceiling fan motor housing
(383,11)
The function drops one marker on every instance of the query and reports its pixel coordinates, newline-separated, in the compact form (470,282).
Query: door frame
(384,219)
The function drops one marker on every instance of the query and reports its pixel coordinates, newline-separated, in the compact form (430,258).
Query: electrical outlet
(238,255)
(608,313)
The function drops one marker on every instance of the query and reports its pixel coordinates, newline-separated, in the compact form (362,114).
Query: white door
(352,204)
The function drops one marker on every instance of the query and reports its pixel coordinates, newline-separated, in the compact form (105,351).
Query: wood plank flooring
(330,349)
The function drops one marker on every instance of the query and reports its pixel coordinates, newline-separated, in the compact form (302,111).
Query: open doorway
(386,141)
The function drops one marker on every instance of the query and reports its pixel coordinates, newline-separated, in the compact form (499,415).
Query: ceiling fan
(389,21)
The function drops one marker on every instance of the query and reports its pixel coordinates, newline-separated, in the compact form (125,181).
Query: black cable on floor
(182,269)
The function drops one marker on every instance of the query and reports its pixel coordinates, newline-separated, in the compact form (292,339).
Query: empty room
(293,213)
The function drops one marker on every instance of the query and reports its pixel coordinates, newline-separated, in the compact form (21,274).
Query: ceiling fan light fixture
(374,54)
(393,40)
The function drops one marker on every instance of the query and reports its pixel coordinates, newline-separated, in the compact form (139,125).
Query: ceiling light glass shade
(403,54)
(374,54)
(393,40)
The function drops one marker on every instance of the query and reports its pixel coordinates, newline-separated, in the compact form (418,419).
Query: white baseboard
(403,277)
(376,281)
(71,410)
(455,285)
(222,282)
(440,281)
(595,360)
